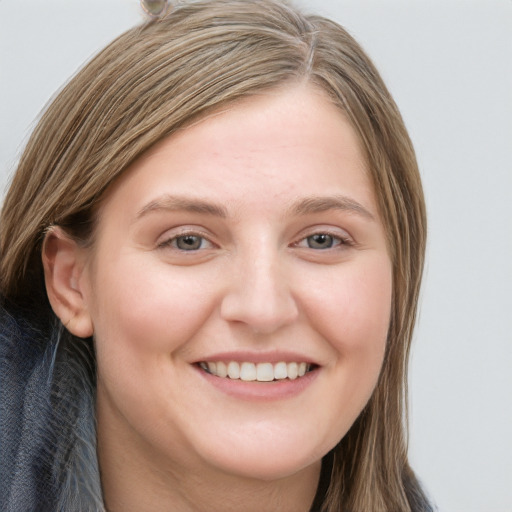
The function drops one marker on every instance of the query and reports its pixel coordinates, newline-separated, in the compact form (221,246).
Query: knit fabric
(48,456)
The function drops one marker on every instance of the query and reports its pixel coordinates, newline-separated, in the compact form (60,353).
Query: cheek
(147,309)
(350,307)
(352,315)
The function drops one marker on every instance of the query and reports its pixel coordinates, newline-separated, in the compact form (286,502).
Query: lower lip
(261,391)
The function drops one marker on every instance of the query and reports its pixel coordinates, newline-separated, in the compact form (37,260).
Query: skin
(254,284)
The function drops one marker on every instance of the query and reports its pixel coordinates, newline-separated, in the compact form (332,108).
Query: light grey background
(449,65)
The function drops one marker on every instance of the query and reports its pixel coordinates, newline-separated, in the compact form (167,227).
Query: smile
(260,372)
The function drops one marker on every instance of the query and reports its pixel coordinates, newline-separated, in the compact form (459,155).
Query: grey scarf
(48,456)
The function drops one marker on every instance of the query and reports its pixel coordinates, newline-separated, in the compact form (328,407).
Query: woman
(211,255)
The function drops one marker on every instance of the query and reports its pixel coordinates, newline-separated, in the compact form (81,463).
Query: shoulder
(24,409)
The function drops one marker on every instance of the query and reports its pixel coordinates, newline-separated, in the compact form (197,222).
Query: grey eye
(189,242)
(320,241)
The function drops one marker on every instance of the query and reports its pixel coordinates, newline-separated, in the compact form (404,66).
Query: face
(240,290)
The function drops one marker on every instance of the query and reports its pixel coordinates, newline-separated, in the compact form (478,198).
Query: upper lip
(258,357)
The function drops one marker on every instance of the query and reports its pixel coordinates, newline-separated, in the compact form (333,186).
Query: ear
(64,271)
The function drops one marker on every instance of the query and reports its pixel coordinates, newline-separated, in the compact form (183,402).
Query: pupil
(321,241)
(189,242)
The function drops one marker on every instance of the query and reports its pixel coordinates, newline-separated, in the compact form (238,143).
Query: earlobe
(64,265)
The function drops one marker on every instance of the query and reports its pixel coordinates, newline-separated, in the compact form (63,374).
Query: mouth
(257,372)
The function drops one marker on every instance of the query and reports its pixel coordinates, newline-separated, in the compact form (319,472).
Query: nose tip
(261,299)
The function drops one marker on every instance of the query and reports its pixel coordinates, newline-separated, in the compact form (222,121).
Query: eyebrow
(320,204)
(187,204)
(305,206)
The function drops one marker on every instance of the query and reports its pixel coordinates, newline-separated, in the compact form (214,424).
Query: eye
(187,242)
(324,241)
(321,241)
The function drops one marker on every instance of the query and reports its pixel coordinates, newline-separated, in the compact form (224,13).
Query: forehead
(280,144)
(284,112)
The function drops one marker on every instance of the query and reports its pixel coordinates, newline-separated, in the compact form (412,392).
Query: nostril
(262,317)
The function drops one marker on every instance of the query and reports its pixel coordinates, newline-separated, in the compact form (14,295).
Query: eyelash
(173,241)
(337,241)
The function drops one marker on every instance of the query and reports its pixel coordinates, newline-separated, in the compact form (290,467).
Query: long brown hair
(159,77)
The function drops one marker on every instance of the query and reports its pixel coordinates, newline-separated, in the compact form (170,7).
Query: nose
(259,294)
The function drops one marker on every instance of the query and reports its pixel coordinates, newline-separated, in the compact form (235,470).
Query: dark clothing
(47,434)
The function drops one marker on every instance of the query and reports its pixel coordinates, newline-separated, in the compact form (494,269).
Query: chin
(267,461)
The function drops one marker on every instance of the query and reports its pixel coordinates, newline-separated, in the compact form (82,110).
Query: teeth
(222,370)
(233,370)
(248,371)
(265,372)
(261,372)
(280,371)
(293,370)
